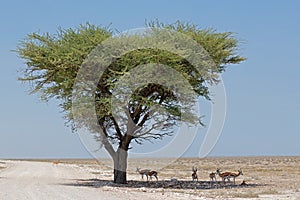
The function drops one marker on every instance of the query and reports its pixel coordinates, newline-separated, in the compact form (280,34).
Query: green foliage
(222,47)
(53,61)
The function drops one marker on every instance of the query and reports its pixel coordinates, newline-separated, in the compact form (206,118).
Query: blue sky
(263,93)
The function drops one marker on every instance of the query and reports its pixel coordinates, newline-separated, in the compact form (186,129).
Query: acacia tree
(54,61)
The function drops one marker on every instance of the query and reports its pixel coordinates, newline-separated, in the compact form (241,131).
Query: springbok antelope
(228,175)
(194,174)
(153,173)
(55,162)
(212,175)
(147,173)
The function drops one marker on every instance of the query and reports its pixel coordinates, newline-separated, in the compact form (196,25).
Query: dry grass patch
(253,194)
(244,195)
(263,176)
(268,192)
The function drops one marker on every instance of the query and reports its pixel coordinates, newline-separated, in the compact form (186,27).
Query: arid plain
(263,178)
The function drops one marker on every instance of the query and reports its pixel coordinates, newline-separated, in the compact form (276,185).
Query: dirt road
(28,180)
(23,180)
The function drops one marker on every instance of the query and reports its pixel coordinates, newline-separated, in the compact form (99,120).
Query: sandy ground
(28,180)
(267,178)
(36,180)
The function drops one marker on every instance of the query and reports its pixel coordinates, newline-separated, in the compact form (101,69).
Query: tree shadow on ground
(180,184)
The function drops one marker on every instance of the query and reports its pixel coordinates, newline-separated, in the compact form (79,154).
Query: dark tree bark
(120,167)
(120,160)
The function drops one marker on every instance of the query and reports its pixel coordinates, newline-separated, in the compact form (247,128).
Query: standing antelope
(212,175)
(234,175)
(153,173)
(228,175)
(194,174)
(147,173)
(55,163)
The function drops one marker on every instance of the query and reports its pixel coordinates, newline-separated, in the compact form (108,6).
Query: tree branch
(150,112)
(117,128)
(104,139)
(159,124)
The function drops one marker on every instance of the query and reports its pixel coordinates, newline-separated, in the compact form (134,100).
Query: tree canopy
(53,63)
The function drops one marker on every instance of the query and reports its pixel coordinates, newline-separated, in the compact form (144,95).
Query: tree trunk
(120,166)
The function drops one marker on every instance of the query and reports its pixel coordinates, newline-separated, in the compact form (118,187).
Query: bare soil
(265,178)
